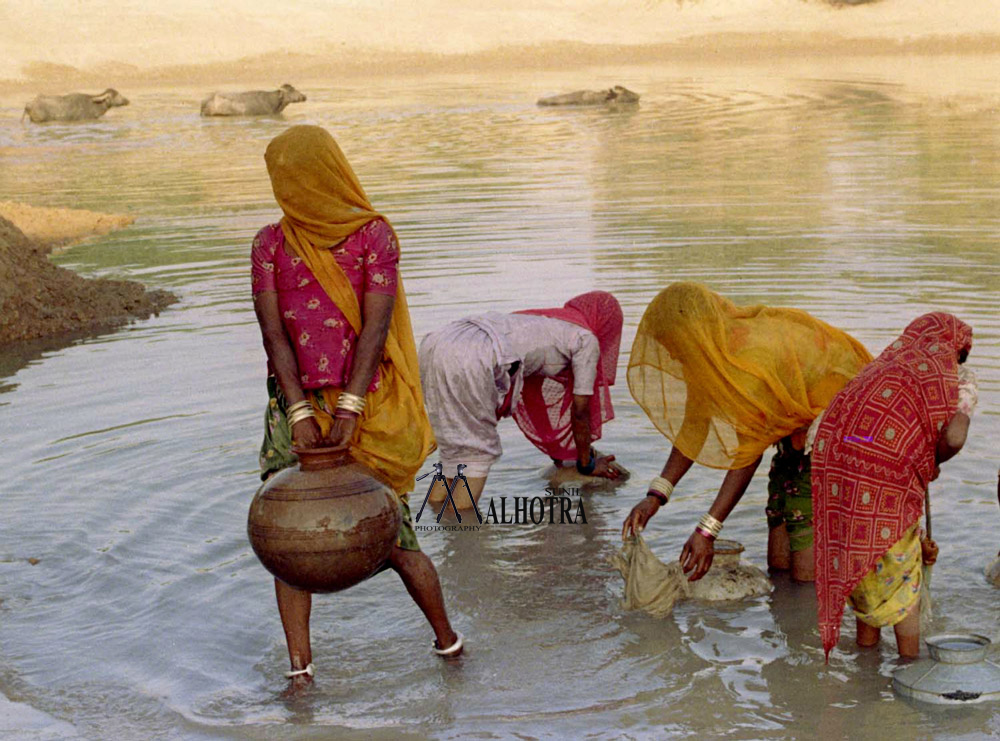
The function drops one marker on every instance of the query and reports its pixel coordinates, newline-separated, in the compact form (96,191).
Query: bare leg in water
(779,551)
(421,581)
(907,634)
(461,496)
(781,557)
(294,606)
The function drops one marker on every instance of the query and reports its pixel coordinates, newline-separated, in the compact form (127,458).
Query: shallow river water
(129,460)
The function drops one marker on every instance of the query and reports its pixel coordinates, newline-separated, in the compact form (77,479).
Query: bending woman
(551,369)
(724,383)
(876,451)
(342,363)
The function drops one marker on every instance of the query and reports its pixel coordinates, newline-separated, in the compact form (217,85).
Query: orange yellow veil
(725,382)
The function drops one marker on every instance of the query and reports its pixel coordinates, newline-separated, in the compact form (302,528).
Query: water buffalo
(616,95)
(72,107)
(252,103)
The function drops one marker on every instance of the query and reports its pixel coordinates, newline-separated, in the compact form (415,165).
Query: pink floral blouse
(320,333)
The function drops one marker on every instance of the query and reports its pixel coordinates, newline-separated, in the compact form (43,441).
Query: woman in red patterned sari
(876,451)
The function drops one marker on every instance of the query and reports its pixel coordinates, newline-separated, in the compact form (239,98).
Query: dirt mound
(59,227)
(41,299)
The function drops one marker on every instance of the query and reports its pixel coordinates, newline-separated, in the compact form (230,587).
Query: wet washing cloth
(655,587)
(276,450)
(887,593)
(874,456)
(789,494)
(650,584)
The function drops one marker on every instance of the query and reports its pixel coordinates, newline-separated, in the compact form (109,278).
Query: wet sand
(40,299)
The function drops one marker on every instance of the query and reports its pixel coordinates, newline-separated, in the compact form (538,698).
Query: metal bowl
(958,648)
(958,672)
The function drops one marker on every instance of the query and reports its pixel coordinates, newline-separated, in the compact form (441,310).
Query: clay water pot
(326,525)
(728,578)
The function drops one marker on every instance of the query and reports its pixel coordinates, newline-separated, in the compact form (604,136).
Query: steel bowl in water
(958,672)
(325,525)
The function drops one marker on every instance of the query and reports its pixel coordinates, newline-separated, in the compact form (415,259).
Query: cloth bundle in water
(650,584)
(655,587)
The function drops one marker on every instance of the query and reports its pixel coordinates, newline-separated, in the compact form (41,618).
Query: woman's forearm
(278,346)
(581,429)
(286,366)
(952,437)
(732,490)
(371,342)
(676,466)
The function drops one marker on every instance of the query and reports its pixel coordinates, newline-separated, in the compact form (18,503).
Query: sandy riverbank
(60,227)
(40,299)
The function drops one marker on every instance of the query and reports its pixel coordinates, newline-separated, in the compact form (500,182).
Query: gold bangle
(662,486)
(351,402)
(299,415)
(297,406)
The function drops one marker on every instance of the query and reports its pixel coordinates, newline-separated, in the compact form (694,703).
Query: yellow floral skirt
(887,593)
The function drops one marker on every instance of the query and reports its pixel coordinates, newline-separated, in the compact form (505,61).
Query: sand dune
(111,41)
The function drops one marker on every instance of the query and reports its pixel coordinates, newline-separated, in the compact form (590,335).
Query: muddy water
(129,459)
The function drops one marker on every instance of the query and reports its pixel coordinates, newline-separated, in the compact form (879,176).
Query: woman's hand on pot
(341,431)
(696,558)
(306,433)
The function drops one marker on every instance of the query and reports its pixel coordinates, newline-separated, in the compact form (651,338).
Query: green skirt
(789,495)
(276,454)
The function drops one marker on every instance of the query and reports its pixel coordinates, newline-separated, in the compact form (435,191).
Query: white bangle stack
(661,489)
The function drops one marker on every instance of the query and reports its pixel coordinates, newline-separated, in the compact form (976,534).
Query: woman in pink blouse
(342,364)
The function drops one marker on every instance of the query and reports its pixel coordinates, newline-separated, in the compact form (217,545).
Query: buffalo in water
(616,95)
(252,103)
(72,107)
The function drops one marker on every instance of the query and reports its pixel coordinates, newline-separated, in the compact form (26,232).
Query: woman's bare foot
(297,686)
(453,646)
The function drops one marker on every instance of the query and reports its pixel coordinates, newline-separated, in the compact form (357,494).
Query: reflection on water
(129,458)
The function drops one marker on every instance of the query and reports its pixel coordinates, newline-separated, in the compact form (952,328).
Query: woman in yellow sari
(341,357)
(724,383)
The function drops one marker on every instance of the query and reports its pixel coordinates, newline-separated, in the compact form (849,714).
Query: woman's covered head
(691,313)
(315,186)
(603,315)
(936,328)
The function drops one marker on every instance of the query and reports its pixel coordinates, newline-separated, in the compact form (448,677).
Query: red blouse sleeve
(262,260)
(381,258)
